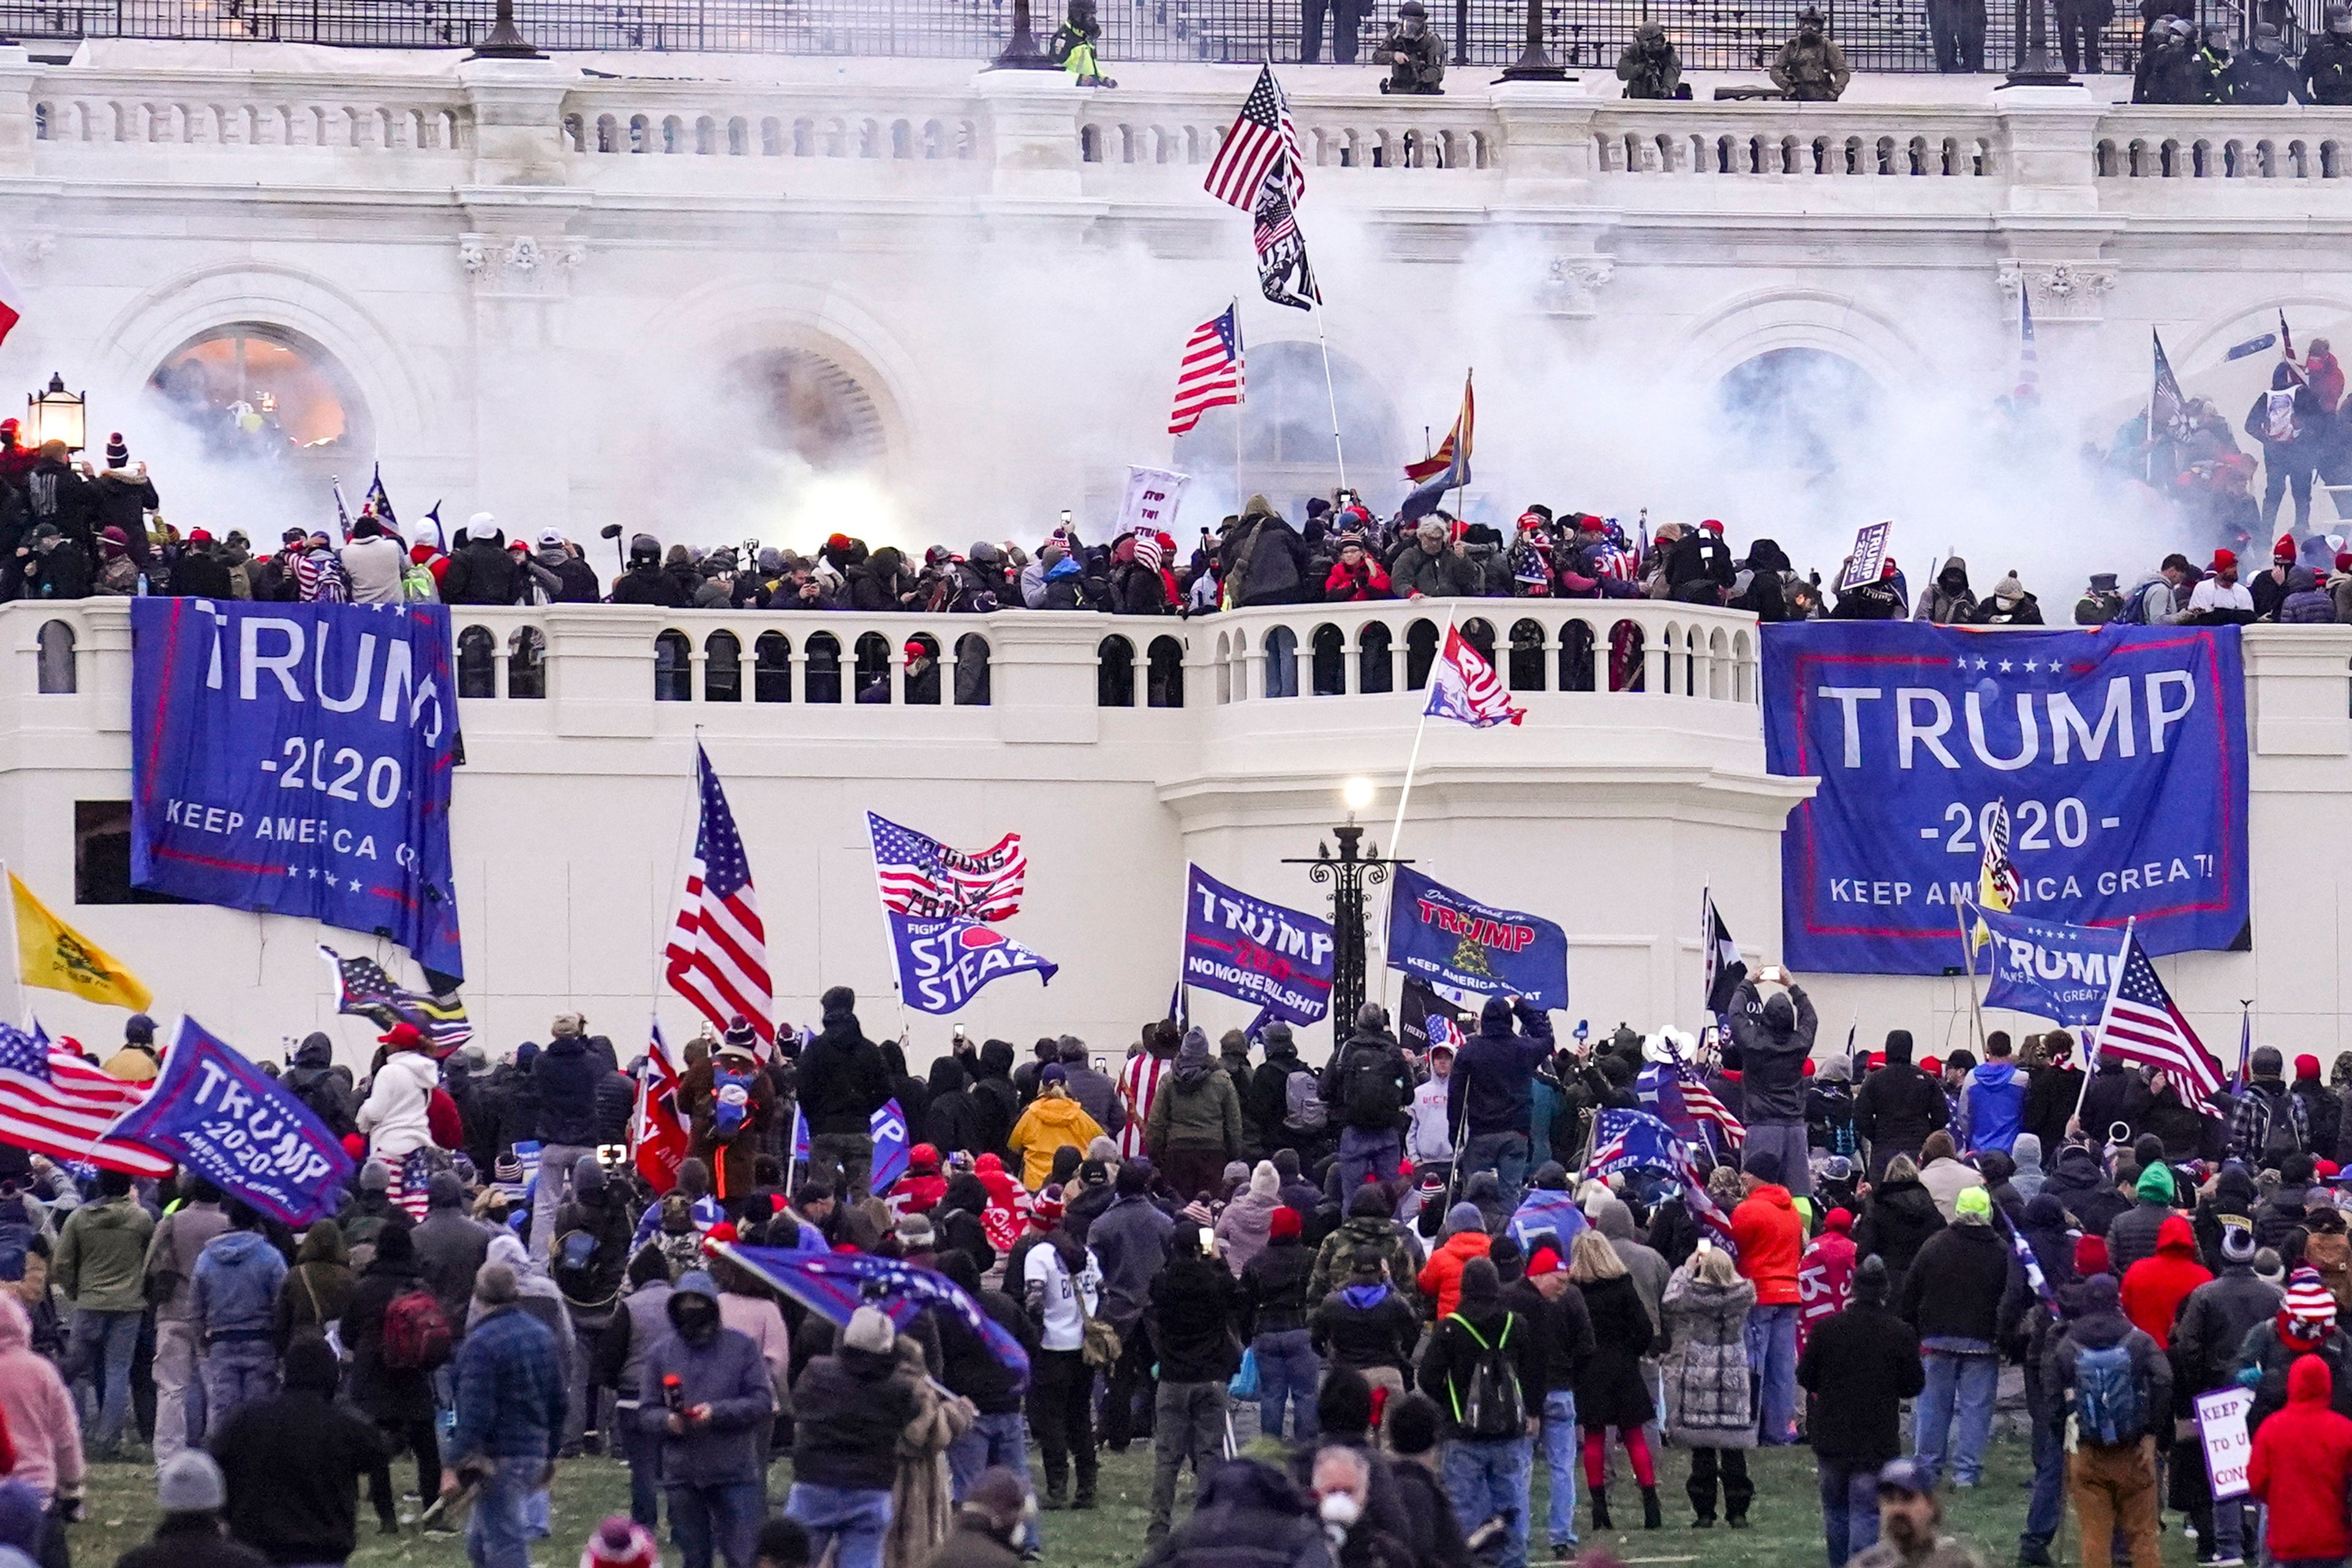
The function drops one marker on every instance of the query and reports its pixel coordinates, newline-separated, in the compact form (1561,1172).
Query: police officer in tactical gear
(1415,56)
(2326,68)
(2170,69)
(1811,68)
(2263,74)
(1650,67)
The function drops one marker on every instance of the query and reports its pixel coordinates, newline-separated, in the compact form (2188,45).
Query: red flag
(12,304)
(657,1139)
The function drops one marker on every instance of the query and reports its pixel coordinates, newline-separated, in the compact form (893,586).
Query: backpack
(1491,1407)
(731,1102)
(578,1254)
(2134,612)
(417,585)
(2279,1137)
(417,1336)
(1302,1103)
(2107,1395)
(1369,1097)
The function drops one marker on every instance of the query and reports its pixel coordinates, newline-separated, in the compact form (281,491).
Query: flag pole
(1968,962)
(1412,763)
(2091,1055)
(1331,392)
(1234,306)
(889,936)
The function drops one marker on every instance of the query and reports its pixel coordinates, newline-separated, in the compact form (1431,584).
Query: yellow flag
(52,954)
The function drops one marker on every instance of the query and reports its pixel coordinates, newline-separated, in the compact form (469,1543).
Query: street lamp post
(1021,52)
(1348,873)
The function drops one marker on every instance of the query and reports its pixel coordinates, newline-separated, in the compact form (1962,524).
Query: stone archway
(259,394)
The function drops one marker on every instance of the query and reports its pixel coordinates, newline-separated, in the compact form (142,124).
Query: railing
(2283,144)
(1830,140)
(186,109)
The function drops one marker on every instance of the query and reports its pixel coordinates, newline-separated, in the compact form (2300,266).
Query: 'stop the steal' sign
(1258,952)
(296,759)
(2119,754)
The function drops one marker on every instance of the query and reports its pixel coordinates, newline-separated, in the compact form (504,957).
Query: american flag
(1998,884)
(1462,686)
(2141,1025)
(2028,362)
(1705,1105)
(1210,374)
(52,1102)
(1262,136)
(365,990)
(920,876)
(1702,1204)
(1138,1086)
(1284,276)
(718,948)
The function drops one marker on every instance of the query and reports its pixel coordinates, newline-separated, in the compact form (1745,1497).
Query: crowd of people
(1392,1267)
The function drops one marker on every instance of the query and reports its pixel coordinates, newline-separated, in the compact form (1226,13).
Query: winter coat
(563,1086)
(727,1373)
(373,567)
(1771,1241)
(843,1080)
(36,1410)
(1441,1277)
(1129,1240)
(1706,1373)
(2103,1329)
(2214,1321)
(1953,1289)
(1249,1515)
(1247,1222)
(1768,1048)
(1992,1106)
(2270,1357)
(1493,1081)
(644,582)
(314,1081)
(1053,1122)
(1191,1312)
(1860,1366)
(292,1466)
(1945,1180)
(391,1395)
(1337,1255)
(2155,1288)
(1897,1218)
(850,1409)
(2050,1097)
(101,1262)
(2131,1235)
(482,571)
(1370,1067)
(510,1395)
(1610,1391)
(1274,1288)
(2301,1461)
(1454,1350)
(1265,560)
(179,1239)
(1948,602)
(1196,1112)
(235,1294)
(396,1115)
(450,1249)
(318,1290)
(1895,1108)
(1444,576)
(922,1505)
(2116,1094)
(1365,1326)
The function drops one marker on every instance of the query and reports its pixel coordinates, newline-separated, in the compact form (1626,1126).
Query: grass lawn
(1786,1519)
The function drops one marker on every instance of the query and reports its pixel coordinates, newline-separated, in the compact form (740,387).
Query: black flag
(1725,968)
(1425,1019)
(1284,275)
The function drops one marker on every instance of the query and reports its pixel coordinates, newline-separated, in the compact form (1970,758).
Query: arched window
(1164,683)
(1420,653)
(722,668)
(1286,439)
(1281,664)
(1527,672)
(1625,653)
(527,663)
(873,668)
(59,674)
(263,394)
(1225,670)
(1576,656)
(1331,660)
(772,668)
(971,670)
(673,667)
(1375,666)
(923,685)
(1480,633)
(823,677)
(477,662)
(1114,673)
(804,405)
(1797,410)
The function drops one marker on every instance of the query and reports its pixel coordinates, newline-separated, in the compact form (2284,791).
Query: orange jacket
(1440,1276)
(1771,1242)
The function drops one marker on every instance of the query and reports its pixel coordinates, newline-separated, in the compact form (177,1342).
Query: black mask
(695,1318)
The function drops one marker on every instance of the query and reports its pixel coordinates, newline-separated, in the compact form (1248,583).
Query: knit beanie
(2090,1255)
(2308,1303)
(2156,1184)
(1973,1206)
(1462,1218)
(620,1543)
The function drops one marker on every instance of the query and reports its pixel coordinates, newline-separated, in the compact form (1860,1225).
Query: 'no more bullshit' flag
(222,1116)
(1255,951)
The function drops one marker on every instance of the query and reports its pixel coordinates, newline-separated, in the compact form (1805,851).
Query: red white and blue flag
(1463,687)
(658,1135)
(52,1102)
(12,304)
(1261,145)
(917,875)
(1210,374)
(717,947)
(2142,1025)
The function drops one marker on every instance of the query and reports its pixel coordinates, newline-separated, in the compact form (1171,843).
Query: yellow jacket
(1051,1123)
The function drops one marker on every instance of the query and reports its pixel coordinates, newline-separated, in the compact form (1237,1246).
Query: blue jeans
(101,1346)
(1489,1480)
(990,1441)
(1772,1352)
(1287,1367)
(1971,1380)
(236,1372)
(1367,1156)
(855,1517)
(1505,1155)
(2045,1511)
(497,1537)
(722,1519)
(1849,1507)
(1560,1457)
(643,1450)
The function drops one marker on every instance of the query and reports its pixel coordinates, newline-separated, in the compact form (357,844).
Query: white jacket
(1430,1140)
(396,1115)
(374,565)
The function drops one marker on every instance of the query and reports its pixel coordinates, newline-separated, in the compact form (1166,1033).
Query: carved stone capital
(523,265)
(30,251)
(1572,285)
(2060,291)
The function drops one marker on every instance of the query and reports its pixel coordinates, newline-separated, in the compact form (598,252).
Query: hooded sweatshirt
(1493,1083)
(1244,1227)
(2301,1462)
(235,1294)
(2028,1176)
(397,1114)
(1052,1123)
(2154,1288)
(38,1412)
(1771,1241)
(1992,1106)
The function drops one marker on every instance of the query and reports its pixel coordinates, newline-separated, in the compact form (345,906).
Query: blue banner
(222,1116)
(2057,972)
(1258,952)
(942,962)
(2119,754)
(296,758)
(1629,1141)
(888,1127)
(1456,944)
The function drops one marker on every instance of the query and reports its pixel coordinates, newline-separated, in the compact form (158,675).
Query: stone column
(2045,148)
(517,108)
(1032,133)
(17,78)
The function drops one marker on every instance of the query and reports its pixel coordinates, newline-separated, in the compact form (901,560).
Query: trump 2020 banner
(225,1119)
(1258,952)
(2061,973)
(2120,755)
(296,759)
(1461,947)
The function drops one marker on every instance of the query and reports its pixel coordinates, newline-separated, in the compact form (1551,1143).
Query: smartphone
(1065,516)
